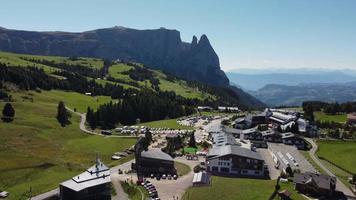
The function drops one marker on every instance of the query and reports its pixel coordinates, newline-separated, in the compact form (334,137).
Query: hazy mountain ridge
(251,81)
(275,94)
(159,48)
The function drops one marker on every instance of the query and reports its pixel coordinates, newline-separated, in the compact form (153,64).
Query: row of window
(223,164)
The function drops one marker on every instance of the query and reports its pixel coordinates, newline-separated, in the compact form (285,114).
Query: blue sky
(245,34)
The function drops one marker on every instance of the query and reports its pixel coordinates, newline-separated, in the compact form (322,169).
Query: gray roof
(240,131)
(96,175)
(233,150)
(287,135)
(222,139)
(321,180)
(156,154)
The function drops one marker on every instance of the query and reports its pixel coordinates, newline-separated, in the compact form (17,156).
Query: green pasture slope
(341,153)
(180,87)
(38,153)
(323,117)
(94,63)
(238,188)
(116,70)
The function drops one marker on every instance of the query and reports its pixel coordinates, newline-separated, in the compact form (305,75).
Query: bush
(197,169)
(8,113)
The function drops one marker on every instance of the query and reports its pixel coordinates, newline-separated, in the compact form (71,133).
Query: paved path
(46,195)
(339,185)
(167,188)
(120,194)
(82,127)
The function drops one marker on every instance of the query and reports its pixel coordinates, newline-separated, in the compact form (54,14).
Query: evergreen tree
(148,136)
(192,142)
(62,114)
(8,113)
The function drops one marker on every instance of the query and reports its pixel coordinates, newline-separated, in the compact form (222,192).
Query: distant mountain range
(254,80)
(283,95)
(159,48)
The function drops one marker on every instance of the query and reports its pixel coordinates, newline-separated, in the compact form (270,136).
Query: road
(339,185)
(82,127)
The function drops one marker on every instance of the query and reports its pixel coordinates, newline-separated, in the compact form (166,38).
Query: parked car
(152,176)
(169,177)
(164,176)
(158,177)
(175,177)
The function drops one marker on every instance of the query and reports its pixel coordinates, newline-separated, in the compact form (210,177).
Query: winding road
(339,185)
(82,127)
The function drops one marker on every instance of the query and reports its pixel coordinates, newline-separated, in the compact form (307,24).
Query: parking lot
(288,154)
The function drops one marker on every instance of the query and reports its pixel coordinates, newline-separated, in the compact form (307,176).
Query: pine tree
(8,113)
(62,114)
(192,142)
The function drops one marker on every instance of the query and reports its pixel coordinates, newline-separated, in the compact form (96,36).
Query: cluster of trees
(225,95)
(145,105)
(329,108)
(173,144)
(32,78)
(142,74)
(63,115)
(79,69)
(8,113)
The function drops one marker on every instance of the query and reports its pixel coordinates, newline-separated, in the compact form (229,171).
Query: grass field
(237,188)
(72,99)
(180,87)
(166,123)
(37,152)
(182,169)
(323,117)
(14,58)
(341,153)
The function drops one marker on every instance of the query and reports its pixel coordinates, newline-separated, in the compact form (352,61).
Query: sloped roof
(320,180)
(96,175)
(233,150)
(156,154)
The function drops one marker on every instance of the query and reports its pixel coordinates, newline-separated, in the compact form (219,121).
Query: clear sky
(245,33)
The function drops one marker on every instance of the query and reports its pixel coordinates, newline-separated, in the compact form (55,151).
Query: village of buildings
(258,145)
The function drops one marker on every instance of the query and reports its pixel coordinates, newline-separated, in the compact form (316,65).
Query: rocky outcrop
(160,48)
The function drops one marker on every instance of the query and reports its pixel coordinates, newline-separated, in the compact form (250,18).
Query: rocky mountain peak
(159,48)
(194,41)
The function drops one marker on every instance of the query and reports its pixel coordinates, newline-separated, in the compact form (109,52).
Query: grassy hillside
(339,152)
(180,87)
(238,188)
(73,100)
(323,117)
(37,152)
(116,70)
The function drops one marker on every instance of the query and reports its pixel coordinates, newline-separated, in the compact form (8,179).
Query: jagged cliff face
(160,48)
